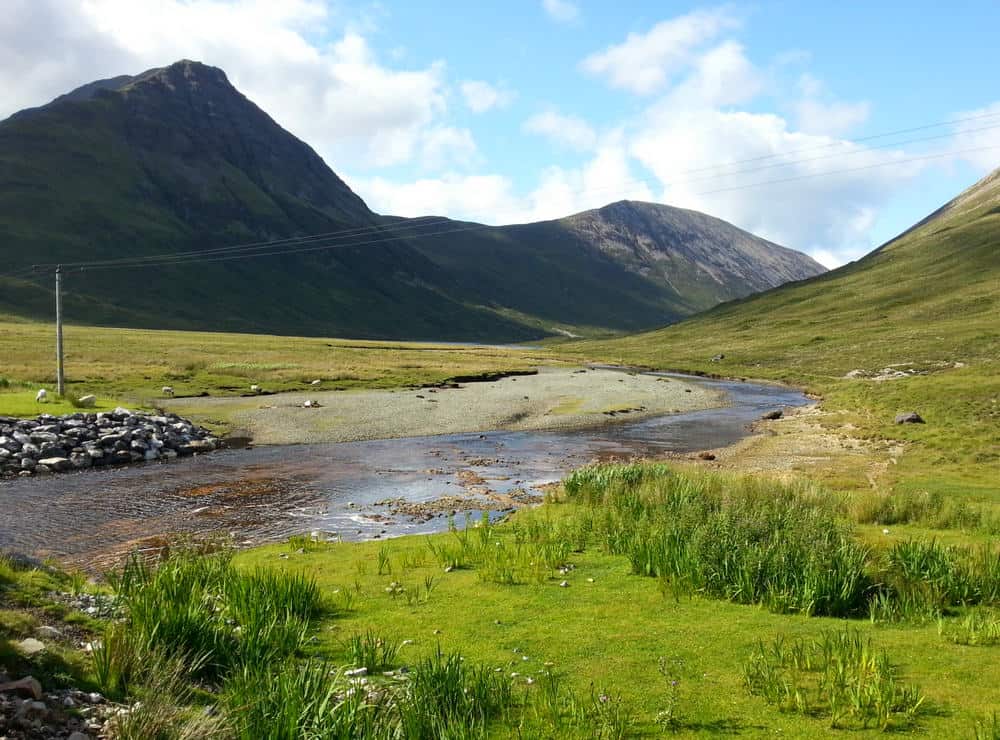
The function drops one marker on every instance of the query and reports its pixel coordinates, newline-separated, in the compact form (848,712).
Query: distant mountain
(176,160)
(925,301)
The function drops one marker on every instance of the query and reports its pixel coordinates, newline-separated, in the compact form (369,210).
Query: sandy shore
(554,398)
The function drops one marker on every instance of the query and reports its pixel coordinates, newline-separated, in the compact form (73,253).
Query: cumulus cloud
(482,96)
(815,193)
(446,146)
(492,199)
(979,134)
(817,113)
(646,62)
(340,97)
(563,130)
(562,11)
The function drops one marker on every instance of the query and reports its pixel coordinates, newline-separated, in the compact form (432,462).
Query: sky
(826,127)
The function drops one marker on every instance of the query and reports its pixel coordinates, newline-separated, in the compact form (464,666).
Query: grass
(870,315)
(131,366)
(25,605)
(634,653)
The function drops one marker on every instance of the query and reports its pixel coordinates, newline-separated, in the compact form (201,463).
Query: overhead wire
(840,142)
(409,228)
(295,249)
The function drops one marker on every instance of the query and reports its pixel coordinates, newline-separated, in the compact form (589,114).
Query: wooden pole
(60,376)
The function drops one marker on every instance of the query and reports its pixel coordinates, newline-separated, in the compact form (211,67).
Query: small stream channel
(261,494)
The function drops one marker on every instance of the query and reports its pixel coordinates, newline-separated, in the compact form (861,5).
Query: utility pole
(60,376)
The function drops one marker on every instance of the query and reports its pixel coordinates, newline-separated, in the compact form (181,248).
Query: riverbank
(554,398)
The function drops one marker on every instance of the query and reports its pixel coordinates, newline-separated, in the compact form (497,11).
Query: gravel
(554,398)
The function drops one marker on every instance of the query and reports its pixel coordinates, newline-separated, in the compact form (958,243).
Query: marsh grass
(839,675)
(987,728)
(747,540)
(446,697)
(214,616)
(979,628)
(373,651)
(930,509)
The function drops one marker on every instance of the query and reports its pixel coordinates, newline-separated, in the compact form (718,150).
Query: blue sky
(539,108)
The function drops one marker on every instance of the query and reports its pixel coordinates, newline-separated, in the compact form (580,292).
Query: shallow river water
(265,493)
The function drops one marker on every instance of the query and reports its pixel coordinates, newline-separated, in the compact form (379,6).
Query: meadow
(131,366)
(640,600)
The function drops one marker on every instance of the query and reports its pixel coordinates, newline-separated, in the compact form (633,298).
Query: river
(261,494)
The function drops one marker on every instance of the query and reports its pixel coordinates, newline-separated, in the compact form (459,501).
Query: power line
(359,230)
(838,154)
(840,142)
(294,249)
(291,244)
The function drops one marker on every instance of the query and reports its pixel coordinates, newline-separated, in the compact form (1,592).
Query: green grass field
(131,366)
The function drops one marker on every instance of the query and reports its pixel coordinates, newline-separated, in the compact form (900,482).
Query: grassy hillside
(926,305)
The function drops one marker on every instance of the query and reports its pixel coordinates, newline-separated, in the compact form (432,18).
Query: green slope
(928,303)
(177,160)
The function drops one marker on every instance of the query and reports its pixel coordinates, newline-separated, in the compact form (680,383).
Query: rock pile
(27,712)
(58,444)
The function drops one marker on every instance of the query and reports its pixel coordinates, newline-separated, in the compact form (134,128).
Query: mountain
(924,301)
(176,160)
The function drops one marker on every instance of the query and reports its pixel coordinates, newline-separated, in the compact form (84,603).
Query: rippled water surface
(265,493)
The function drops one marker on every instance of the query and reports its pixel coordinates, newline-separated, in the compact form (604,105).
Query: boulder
(87,402)
(910,417)
(772,415)
(29,646)
(56,464)
(27,687)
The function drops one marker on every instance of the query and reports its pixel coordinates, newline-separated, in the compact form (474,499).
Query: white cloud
(562,11)
(835,118)
(481,198)
(814,193)
(491,199)
(980,134)
(445,146)
(830,117)
(564,130)
(646,62)
(482,96)
(720,76)
(339,97)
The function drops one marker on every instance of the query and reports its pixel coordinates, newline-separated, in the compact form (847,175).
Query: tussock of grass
(216,617)
(747,540)
(840,676)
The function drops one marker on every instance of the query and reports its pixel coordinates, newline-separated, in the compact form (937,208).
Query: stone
(57,464)
(706,456)
(77,735)
(773,415)
(87,402)
(49,633)
(356,672)
(27,686)
(910,417)
(29,647)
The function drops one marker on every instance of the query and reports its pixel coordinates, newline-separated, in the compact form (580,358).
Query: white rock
(30,646)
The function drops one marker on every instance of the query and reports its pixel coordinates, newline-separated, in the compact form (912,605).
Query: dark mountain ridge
(177,160)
